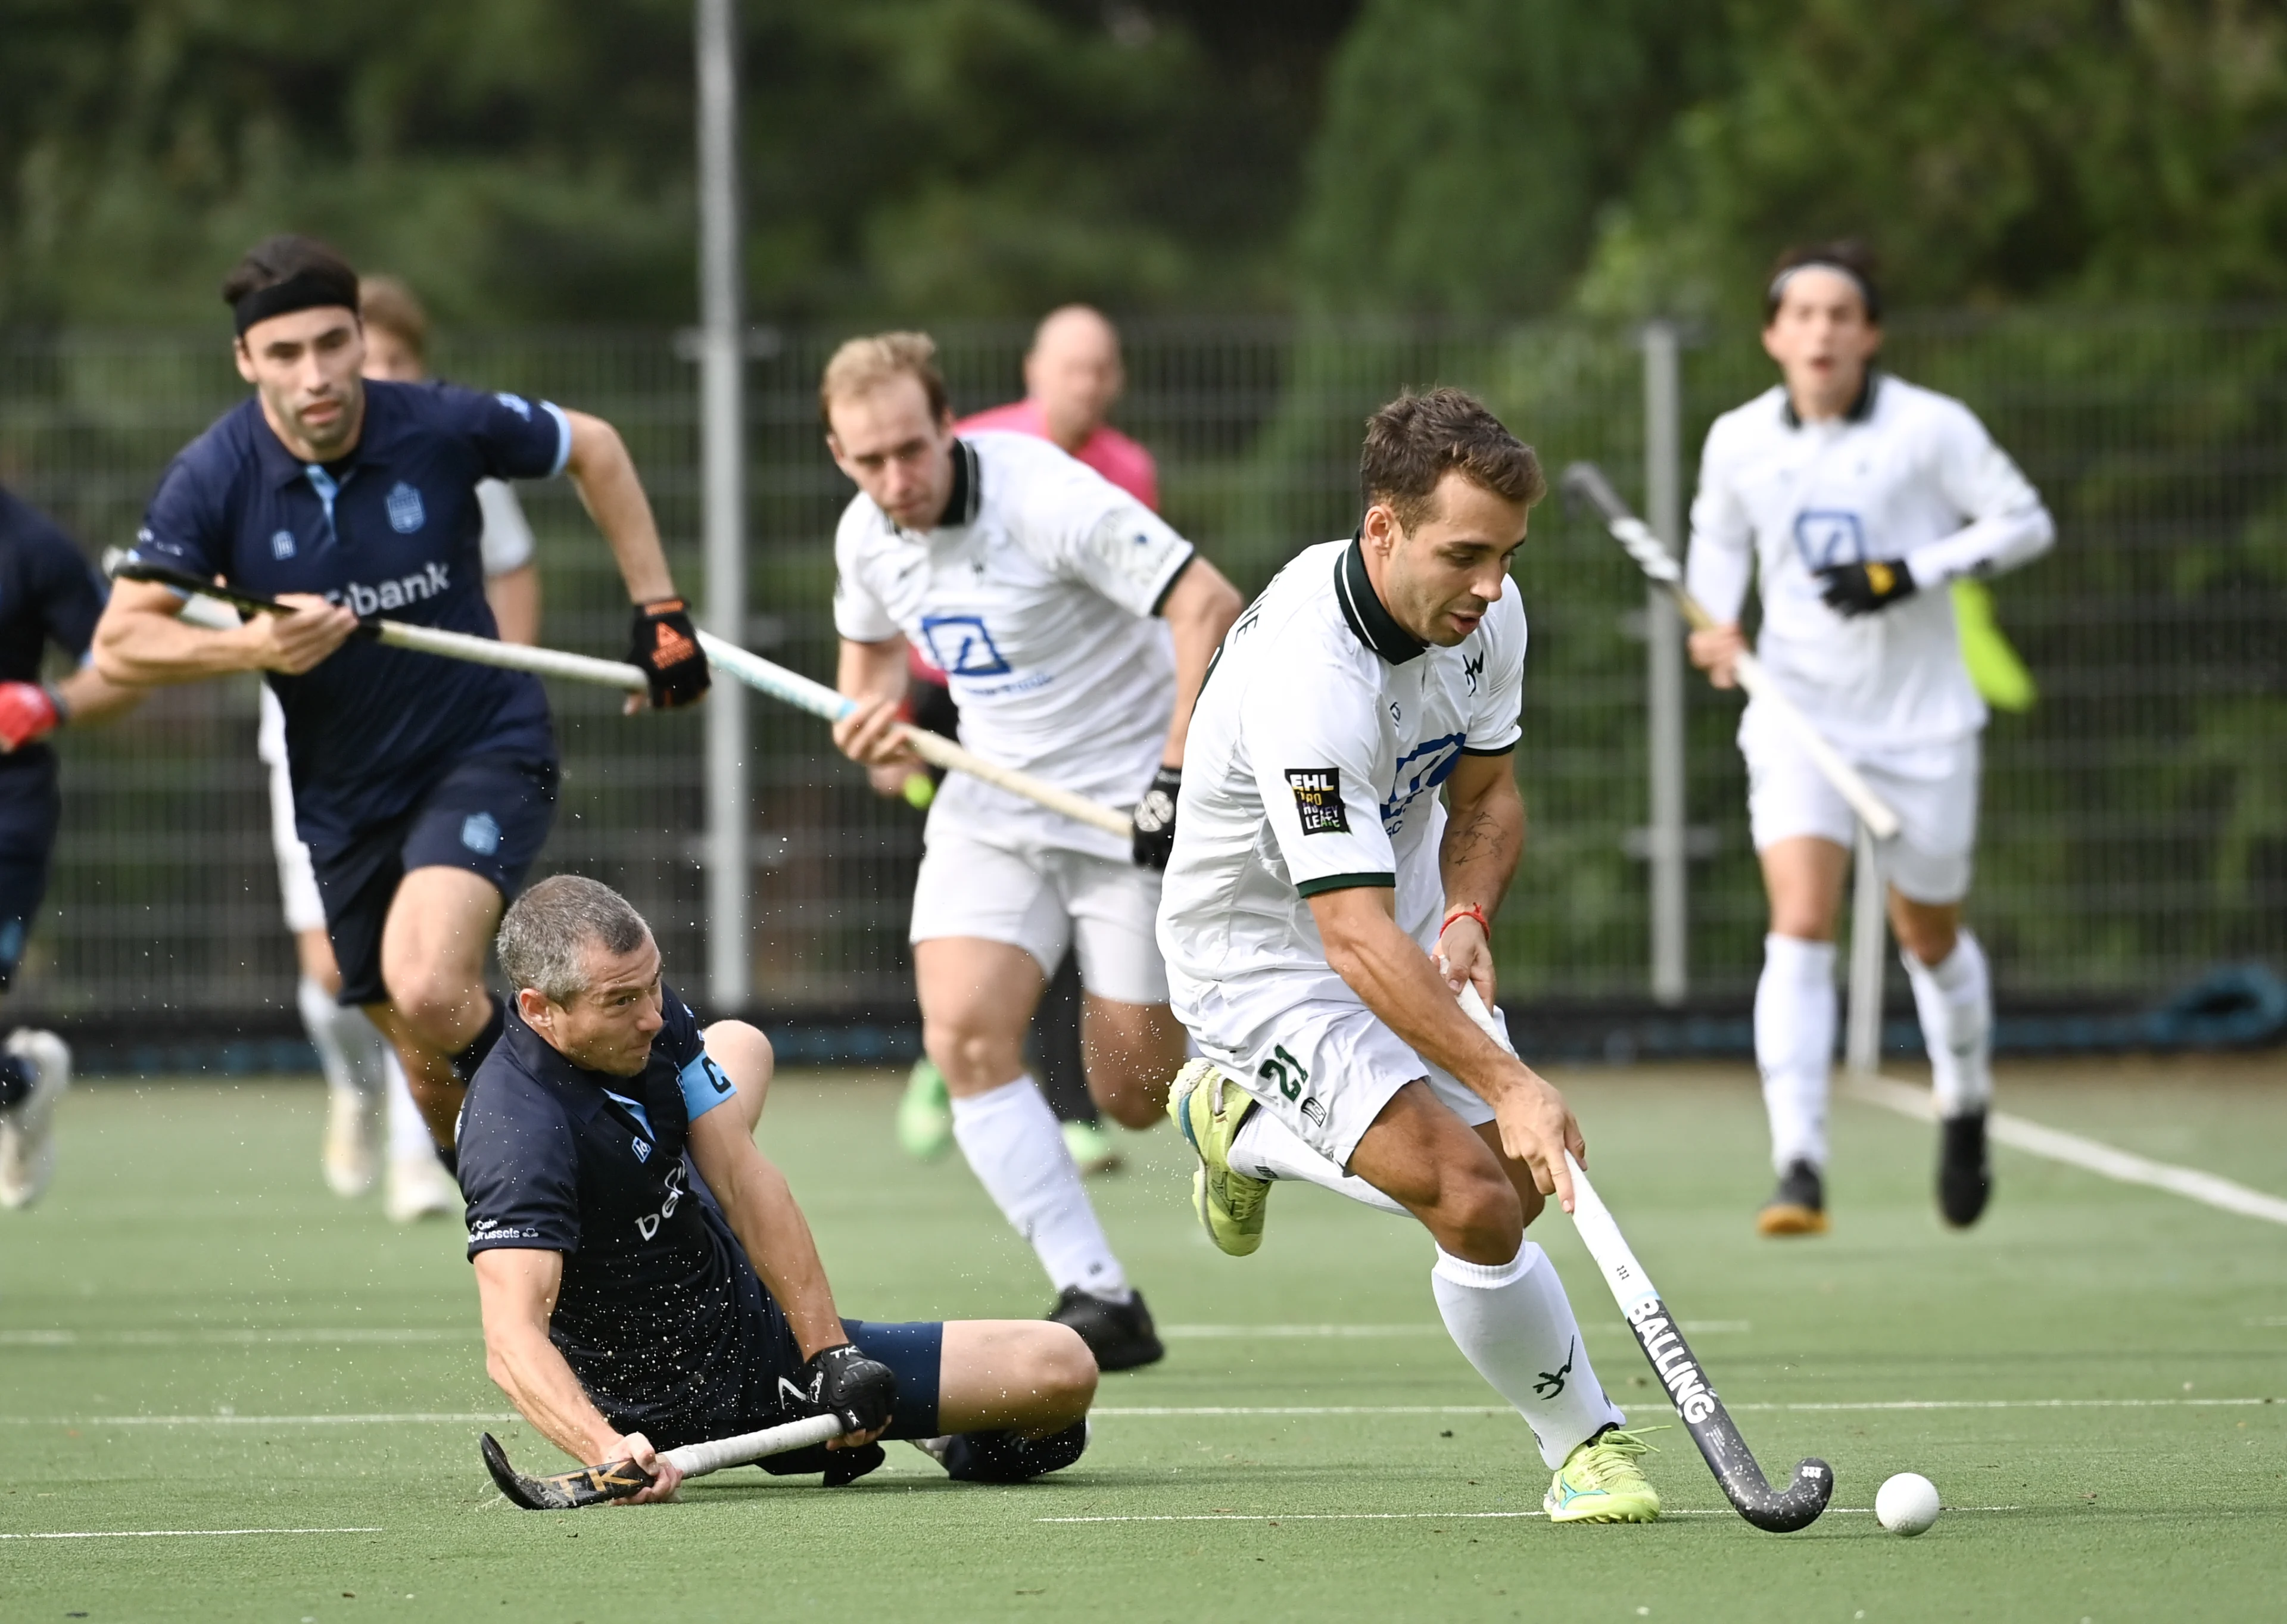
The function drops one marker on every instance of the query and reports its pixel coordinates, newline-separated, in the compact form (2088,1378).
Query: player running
(646,1277)
(1323,910)
(366,1093)
(1073,376)
(424,787)
(48,595)
(1036,586)
(1852,496)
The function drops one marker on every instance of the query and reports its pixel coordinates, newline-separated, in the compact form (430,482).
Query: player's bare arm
(1200,608)
(513,596)
(515,1293)
(1485,836)
(141,642)
(1385,968)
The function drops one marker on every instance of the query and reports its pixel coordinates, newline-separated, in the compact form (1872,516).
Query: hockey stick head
(589,1486)
(1584,482)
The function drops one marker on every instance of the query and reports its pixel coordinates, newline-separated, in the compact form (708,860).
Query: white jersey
(1036,598)
(1908,474)
(1312,765)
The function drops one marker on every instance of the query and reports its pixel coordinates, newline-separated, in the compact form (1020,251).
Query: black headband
(314,288)
(1865,294)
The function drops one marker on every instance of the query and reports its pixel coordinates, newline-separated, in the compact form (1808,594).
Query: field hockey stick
(1689,1389)
(420,639)
(592,1486)
(1587,481)
(793,688)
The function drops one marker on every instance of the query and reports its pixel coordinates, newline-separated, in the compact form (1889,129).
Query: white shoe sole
(27,1144)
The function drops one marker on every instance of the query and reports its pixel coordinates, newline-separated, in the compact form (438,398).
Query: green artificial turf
(189,1262)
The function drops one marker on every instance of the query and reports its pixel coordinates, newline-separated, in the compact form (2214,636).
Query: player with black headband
(647,1277)
(1852,497)
(423,787)
(48,595)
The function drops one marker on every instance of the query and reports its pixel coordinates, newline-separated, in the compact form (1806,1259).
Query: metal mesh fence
(2135,823)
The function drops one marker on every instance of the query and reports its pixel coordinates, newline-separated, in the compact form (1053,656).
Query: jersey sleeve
(1496,719)
(521,1172)
(703,1082)
(515,438)
(507,540)
(1721,557)
(2005,524)
(183,526)
(1091,531)
(858,614)
(1313,747)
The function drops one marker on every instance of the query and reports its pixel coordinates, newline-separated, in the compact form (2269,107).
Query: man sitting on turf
(647,1277)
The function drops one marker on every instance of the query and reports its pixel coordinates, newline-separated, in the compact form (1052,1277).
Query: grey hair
(543,932)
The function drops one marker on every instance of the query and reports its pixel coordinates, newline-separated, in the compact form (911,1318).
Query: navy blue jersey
(47,594)
(394,528)
(661,1315)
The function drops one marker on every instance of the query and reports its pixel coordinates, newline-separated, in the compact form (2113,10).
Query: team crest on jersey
(281,544)
(961,645)
(406,513)
(1828,536)
(1318,800)
(517,404)
(480,833)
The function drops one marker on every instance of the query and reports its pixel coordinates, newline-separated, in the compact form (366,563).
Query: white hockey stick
(1653,558)
(793,688)
(592,1486)
(1775,1510)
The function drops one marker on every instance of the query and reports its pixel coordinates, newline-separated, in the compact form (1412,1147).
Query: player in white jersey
(1073,627)
(366,1093)
(1854,498)
(1323,910)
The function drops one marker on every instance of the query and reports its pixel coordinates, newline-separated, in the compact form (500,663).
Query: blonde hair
(863,365)
(388,304)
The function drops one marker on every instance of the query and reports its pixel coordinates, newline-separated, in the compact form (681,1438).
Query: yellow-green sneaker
(1208,1109)
(925,1113)
(1600,1482)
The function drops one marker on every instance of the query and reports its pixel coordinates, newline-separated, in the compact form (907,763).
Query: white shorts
(1327,1067)
(1045,899)
(1932,787)
(297,880)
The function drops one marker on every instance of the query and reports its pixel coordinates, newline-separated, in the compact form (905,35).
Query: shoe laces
(1612,1452)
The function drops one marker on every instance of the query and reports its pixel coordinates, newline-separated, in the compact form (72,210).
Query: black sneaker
(1119,1334)
(1798,1207)
(1965,1177)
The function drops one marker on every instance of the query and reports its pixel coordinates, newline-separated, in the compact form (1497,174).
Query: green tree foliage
(531,160)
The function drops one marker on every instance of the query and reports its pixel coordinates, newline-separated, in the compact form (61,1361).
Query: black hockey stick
(1774,1510)
(593,1485)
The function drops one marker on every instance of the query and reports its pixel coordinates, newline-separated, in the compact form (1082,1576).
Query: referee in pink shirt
(1073,376)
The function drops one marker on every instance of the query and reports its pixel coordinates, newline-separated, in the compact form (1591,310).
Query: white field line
(1423,1327)
(415,1418)
(227,1338)
(1430,1516)
(180,1534)
(2091,1155)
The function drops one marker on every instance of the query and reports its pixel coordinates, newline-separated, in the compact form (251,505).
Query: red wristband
(1468,910)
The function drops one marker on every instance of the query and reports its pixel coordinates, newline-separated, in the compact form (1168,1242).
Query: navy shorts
(489,815)
(915,1352)
(30,811)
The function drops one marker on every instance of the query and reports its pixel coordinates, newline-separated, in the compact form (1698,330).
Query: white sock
(1017,1150)
(349,1045)
(1794,1044)
(1955,1002)
(410,1139)
(1267,1148)
(1514,1322)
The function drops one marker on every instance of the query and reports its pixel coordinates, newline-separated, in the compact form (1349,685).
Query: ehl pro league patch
(1318,799)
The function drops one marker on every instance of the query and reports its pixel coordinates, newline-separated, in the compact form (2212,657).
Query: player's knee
(431,1005)
(1135,1101)
(971,1057)
(1063,1373)
(1482,1216)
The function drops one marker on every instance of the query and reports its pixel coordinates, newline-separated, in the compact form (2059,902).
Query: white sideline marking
(224,1338)
(2092,1155)
(1430,1516)
(1486,1409)
(1423,1327)
(179,1534)
(410,1419)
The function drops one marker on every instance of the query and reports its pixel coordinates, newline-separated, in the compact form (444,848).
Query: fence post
(723,445)
(1663,666)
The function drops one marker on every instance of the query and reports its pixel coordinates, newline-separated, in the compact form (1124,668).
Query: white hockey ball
(1907,1504)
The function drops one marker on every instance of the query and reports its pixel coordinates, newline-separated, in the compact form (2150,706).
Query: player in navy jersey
(645,1276)
(423,787)
(48,595)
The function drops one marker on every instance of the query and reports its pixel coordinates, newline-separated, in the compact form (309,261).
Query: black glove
(1155,820)
(1852,589)
(843,1382)
(666,644)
